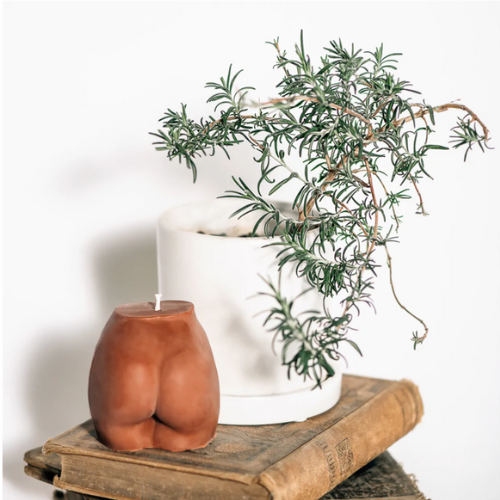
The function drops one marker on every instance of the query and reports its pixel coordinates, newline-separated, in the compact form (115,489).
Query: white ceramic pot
(220,276)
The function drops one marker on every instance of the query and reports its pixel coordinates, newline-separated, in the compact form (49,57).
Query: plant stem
(426,330)
(419,195)
(292,99)
(374,199)
(387,194)
(280,161)
(441,109)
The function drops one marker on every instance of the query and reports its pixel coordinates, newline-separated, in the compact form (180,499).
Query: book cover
(381,479)
(297,460)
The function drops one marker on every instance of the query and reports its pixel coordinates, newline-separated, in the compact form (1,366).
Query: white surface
(221,276)
(85,82)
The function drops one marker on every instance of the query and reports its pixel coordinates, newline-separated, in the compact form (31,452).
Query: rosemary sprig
(360,136)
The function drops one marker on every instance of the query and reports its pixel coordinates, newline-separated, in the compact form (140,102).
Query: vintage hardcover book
(294,461)
(381,479)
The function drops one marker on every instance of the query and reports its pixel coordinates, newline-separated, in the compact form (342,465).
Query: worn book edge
(329,458)
(384,467)
(52,446)
(98,493)
(85,491)
(122,481)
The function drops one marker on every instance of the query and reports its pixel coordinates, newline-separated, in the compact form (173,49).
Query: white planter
(220,276)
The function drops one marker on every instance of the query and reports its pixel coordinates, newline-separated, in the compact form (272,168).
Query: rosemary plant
(363,143)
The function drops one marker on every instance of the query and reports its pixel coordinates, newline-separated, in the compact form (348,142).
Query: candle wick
(158,302)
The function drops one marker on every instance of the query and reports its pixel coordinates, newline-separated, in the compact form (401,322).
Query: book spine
(318,466)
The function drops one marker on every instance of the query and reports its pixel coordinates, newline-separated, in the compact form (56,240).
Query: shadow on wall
(125,269)
(56,385)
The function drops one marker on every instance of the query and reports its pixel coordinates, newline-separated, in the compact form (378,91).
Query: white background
(83,85)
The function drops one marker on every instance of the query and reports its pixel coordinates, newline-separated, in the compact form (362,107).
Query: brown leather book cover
(298,460)
(381,479)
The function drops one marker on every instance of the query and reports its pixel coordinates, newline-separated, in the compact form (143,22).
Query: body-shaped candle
(153,381)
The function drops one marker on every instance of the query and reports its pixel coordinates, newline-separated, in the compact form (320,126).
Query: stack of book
(336,455)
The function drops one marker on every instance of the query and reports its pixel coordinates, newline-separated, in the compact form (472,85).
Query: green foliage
(353,123)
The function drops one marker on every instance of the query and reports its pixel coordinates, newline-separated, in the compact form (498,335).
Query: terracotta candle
(153,381)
